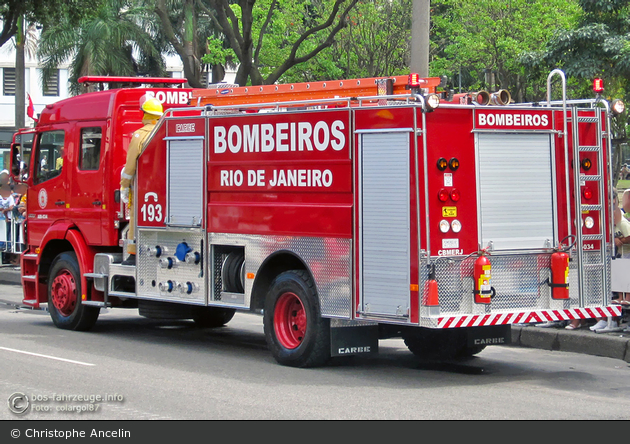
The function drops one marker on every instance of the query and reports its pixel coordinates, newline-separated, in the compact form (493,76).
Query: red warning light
(443,195)
(414,80)
(598,86)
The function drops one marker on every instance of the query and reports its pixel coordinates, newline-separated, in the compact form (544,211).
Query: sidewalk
(614,345)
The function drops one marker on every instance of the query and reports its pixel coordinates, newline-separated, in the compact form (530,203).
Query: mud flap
(490,335)
(353,338)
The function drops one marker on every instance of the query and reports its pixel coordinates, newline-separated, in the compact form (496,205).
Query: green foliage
(376,41)
(598,46)
(271,39)
(217,54)
(102,44)
(474,37)
(43,12)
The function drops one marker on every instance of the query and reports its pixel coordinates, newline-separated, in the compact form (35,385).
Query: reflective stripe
(126,176)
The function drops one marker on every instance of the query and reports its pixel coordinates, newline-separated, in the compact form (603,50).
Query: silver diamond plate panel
(151,273)
(519,282)
(328,259)
(596,280)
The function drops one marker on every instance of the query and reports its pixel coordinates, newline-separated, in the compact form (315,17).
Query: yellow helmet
(152,106)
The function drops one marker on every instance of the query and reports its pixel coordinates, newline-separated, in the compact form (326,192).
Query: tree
(186,28)
(488,37)
(41,11)
(101,44)
(597,46)
(376,41)
(282,33)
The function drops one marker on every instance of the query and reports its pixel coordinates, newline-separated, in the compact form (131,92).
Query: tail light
(443,195)
(442,163)
(587,193)
(589,222)
(455,195)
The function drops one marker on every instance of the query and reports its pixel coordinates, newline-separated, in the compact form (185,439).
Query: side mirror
(15,160)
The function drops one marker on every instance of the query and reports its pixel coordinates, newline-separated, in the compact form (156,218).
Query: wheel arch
(272,266)
(66,237)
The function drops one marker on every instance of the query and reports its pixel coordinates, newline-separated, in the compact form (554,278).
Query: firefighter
(152,109)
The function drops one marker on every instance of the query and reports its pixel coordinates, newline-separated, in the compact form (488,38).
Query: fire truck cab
(71,162)
(344,212)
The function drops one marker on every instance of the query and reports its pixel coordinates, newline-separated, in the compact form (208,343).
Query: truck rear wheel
(439,344)
(295,332)
(212,317)
(64,295)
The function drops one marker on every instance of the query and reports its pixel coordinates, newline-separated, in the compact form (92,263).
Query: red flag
(30,111)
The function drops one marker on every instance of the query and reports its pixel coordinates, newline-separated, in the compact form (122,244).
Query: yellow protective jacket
(136,146)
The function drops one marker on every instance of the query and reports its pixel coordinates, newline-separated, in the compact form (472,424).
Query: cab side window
(49,156)
(90,148)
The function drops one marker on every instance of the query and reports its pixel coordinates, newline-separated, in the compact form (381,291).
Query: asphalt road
(174,371)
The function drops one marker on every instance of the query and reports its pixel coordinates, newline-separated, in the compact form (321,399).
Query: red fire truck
(344,212)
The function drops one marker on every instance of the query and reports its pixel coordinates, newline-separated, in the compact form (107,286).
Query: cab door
(46,203)
(86,202)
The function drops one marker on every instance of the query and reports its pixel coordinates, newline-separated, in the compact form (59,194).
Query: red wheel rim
(64,293)
(289,319)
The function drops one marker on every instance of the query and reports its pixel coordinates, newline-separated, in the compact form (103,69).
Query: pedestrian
(152,109)
(625,203)
(19,215)
(7,202)
(622,250)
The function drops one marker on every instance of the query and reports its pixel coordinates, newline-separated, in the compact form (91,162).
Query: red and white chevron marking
(526,317)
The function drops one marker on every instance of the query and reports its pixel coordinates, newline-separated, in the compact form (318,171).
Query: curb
(608,345)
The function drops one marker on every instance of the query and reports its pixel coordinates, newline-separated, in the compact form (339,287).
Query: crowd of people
(622,250)
(12,213)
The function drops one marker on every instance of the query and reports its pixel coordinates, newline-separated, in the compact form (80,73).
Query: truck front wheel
(295,332)
(64,295)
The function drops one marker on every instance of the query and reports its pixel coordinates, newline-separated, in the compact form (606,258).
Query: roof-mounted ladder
(296,92)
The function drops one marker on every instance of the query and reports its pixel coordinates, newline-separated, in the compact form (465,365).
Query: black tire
(212,317)
(64,295)
(433,344)
(469,352)
(296,334)
(166,311)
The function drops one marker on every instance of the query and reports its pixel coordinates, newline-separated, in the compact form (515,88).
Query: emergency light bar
(414,80)
(121,79)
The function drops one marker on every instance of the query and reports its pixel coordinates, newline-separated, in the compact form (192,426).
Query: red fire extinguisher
(560,271)
(481,274)
(431,298)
